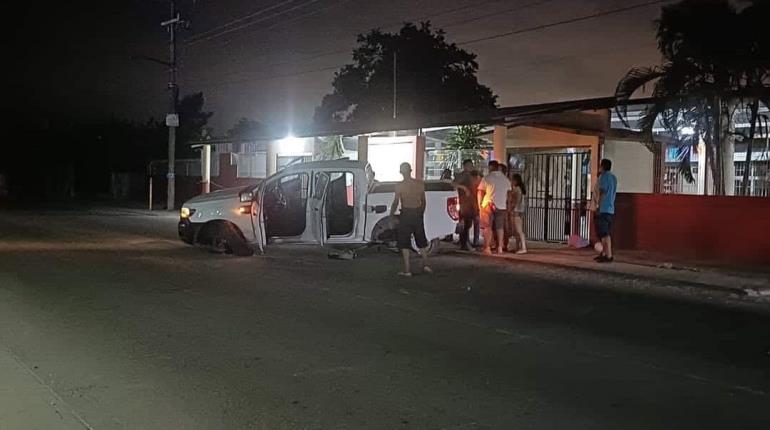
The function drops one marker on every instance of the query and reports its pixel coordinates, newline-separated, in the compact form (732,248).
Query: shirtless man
(410,195)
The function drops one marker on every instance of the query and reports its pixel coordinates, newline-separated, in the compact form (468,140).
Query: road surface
(108,322)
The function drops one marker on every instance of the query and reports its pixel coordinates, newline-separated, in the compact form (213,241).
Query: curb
(741,291)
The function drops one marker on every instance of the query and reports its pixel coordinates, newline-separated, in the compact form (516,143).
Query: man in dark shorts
(469,206)
(410,196)
(608,185)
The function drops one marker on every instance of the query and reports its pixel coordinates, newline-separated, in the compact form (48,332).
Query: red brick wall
(724,229)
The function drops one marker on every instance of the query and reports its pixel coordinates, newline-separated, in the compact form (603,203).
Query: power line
(271,77)
(250,23)
(480,17)
(474,5)
(446,12)
(563,22)
(467,42)
(452,24)
(241,19)
(306,14)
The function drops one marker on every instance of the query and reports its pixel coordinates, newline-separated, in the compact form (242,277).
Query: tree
(466,143)
(192,123)
(432,76)
(330,148)
(711,64)
(246,128)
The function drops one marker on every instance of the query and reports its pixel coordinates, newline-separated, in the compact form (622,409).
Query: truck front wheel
(224,237)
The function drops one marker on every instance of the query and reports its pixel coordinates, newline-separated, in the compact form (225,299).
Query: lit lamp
(291,145)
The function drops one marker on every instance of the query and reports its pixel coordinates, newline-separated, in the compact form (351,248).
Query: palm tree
(714,57)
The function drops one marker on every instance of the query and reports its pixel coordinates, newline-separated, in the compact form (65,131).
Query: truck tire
(224,238)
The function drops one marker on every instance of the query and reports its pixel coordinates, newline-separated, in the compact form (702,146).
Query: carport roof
(504,115)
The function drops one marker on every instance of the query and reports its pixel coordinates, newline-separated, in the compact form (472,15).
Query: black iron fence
(557,194)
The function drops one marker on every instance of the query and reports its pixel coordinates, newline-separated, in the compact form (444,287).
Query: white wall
(632,163)
(387,153)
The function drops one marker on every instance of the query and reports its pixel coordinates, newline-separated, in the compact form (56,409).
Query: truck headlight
(186,213)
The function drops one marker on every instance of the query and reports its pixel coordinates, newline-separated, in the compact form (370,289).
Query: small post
(395,85)
(150,192)
(206,169)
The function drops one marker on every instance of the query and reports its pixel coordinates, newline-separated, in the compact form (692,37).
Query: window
(251,165)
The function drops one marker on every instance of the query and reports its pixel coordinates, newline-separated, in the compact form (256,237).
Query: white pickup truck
(323,202)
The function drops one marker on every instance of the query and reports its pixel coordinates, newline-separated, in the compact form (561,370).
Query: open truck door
(258,217)
(317,207)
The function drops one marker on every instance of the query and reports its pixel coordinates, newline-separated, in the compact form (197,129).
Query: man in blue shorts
(608,185)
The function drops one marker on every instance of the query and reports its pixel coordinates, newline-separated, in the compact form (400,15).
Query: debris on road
(342,254)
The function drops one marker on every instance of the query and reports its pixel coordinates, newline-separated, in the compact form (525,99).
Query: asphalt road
(108,322)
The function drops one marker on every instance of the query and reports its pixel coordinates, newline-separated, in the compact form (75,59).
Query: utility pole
(395,83)
(172,119)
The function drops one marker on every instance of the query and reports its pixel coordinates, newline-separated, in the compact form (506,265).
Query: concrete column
(596,156)
(272,157)
(658,166)
(317,142)
(419,157)
(206,169)
(499,139)
(363,149)
(702,168)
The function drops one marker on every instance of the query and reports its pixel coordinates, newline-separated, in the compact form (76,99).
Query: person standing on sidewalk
(508,227)
(469,208)
(518,196)
(410,196)
(492,197)
(608,185)
(476,180)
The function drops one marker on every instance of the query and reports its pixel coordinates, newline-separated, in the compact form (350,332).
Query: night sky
(73,58)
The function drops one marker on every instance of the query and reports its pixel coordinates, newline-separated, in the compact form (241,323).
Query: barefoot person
(518,194)
(410,196)
(492,197)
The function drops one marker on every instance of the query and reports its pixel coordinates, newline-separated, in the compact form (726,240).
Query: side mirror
(380,209)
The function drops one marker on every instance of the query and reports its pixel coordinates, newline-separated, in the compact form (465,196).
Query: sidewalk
(749,282)
(27,403)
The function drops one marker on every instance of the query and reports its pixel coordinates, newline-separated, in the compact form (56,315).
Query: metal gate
(557,194)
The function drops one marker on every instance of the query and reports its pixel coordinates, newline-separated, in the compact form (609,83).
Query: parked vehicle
(323,202)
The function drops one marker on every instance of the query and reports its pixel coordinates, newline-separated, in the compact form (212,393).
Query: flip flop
(405,274)
(427,269)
